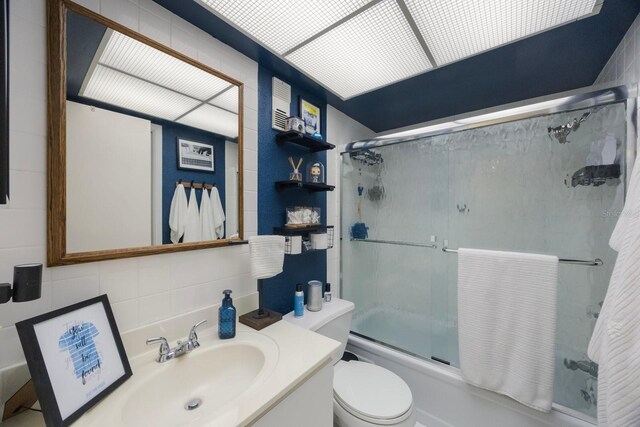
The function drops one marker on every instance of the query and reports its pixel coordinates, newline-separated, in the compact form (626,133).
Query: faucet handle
(193,337)
(164,344)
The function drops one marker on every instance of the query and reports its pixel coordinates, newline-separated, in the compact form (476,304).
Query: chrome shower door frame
(550,104)
(578,99)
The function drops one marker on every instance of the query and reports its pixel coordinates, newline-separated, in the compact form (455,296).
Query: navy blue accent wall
(171,173)
(273,166)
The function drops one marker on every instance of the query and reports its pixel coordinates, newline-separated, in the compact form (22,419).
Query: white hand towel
(218,213)
(206,217)
(267,256)
(507,323)
(615,343)
(178,213)
(192,231)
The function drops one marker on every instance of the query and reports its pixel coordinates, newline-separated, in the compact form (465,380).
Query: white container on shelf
(318,240)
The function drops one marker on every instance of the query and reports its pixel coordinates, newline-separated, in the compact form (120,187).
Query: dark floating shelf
(298,231)
(303,140)
(311,186)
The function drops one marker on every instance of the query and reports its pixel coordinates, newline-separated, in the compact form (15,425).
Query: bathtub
(443,399)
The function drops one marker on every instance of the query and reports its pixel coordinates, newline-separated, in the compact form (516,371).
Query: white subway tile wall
(624,64)
(142,290)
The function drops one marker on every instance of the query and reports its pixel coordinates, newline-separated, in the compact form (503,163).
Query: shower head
(560,133)
(367,157)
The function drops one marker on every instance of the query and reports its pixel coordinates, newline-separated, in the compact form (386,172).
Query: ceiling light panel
(227,100)
(212,119)
(138,59)
(455,29)
(371,50)
(115,88)
(283,24)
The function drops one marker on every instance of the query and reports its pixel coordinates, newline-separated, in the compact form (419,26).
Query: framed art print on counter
(75,356)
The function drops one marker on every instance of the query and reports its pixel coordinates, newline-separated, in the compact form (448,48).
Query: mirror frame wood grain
(4,102)
(56,144)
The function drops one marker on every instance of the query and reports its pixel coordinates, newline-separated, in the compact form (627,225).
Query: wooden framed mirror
(4,100)
(129,121)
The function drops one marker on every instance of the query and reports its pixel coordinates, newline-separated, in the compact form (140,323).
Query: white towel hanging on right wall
(615,343)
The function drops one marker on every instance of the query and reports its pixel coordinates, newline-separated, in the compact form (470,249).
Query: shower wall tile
(624,64)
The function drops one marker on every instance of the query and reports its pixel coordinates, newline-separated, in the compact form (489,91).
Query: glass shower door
(395,277)
(550,184)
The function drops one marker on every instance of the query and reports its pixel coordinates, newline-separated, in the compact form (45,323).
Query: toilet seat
(371,393)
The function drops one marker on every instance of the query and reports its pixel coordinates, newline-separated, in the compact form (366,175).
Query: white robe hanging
(192,231)
(218,213)
(206,217)
(615,344)
(178,214)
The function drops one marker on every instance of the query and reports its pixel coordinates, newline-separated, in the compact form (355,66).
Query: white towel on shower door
(192,231)
(615,343)
(178,213)
(507,323)
(206,217)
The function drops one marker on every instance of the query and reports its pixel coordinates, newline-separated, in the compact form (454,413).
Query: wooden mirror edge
(56,143)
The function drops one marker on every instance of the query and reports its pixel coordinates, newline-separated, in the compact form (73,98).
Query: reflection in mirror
(151,145)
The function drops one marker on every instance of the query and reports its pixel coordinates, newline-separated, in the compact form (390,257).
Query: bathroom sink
(204,387)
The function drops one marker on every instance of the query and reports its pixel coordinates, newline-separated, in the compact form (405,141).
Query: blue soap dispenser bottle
(227,317)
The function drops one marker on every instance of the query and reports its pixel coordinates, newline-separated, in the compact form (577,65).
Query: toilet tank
(333,321)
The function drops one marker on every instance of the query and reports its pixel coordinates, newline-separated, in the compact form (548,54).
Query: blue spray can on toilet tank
(298,301)
(227,317)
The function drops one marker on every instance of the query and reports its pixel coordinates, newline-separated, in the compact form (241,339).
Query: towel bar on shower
(396,242)
(595,262)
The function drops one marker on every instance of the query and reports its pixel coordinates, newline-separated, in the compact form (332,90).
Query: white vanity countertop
(301,353)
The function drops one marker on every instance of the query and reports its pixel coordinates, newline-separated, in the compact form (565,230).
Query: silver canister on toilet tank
(314,298)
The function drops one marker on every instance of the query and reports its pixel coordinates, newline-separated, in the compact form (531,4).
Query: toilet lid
(370,390)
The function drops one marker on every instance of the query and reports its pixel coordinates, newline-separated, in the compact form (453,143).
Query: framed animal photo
(195,156)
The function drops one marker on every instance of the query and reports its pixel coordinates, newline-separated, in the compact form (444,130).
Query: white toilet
(364,395)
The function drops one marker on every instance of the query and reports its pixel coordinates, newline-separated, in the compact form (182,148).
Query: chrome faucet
(167,353)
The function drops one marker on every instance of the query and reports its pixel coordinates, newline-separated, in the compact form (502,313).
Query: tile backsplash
(141,290)
(624,64)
